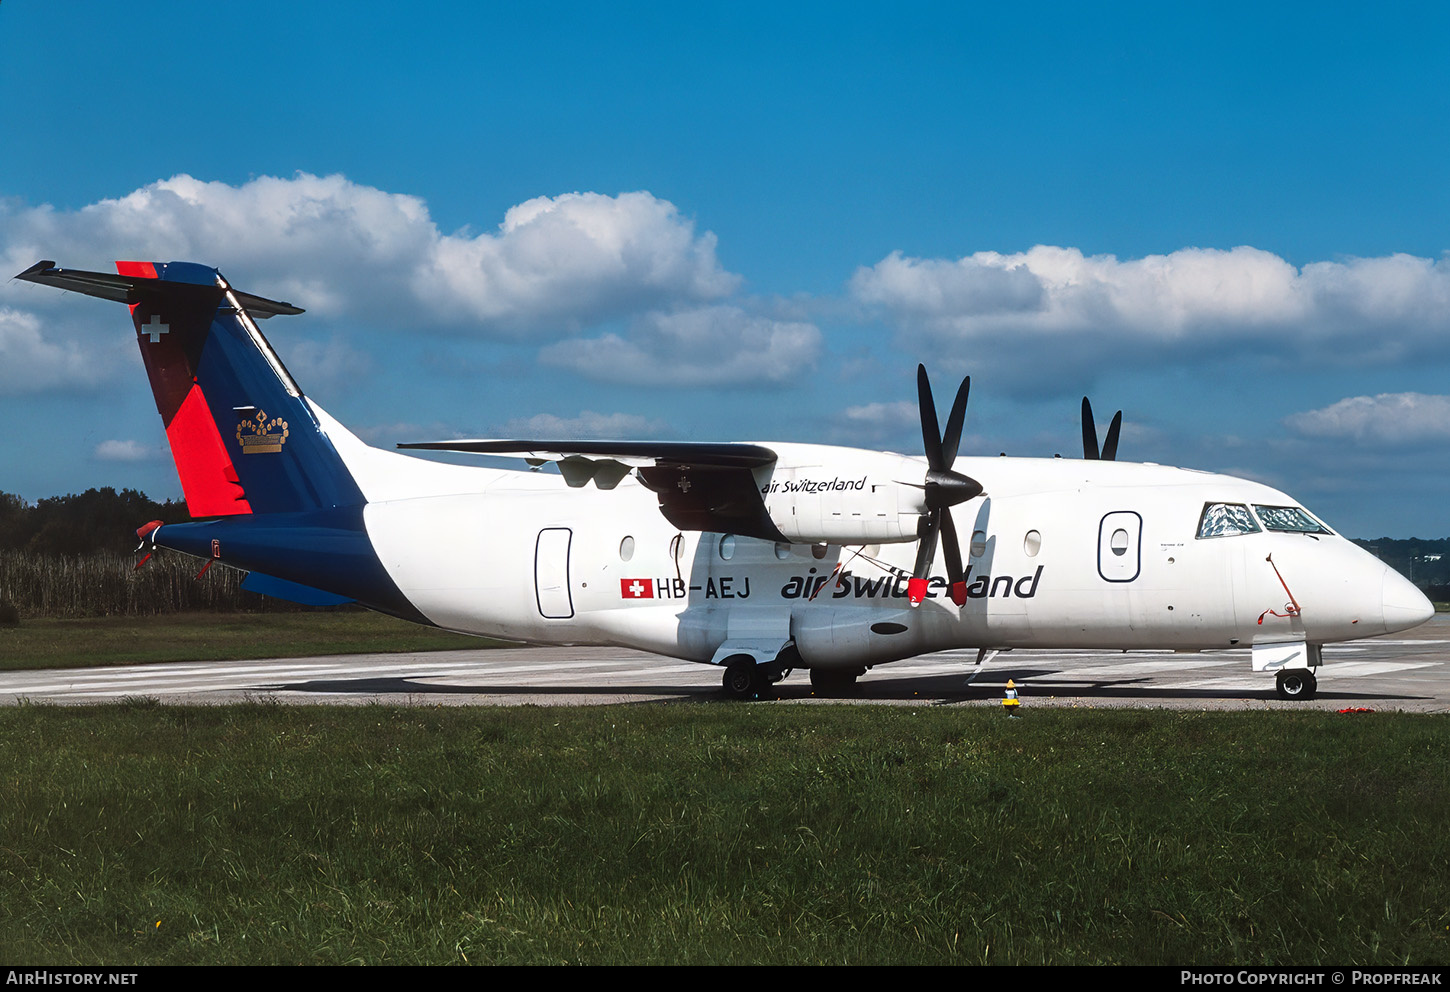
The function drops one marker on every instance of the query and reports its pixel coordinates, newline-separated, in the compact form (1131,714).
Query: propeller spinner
(944,489)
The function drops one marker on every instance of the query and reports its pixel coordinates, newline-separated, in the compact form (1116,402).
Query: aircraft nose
(1404,606)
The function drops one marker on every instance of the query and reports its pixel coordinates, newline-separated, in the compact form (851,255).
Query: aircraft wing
(703,486)
(704,454)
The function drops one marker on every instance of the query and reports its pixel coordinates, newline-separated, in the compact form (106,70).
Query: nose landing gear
(1296,683)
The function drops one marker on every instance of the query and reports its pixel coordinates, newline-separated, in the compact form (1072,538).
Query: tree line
(1426,563)
(73,556)
(95,521)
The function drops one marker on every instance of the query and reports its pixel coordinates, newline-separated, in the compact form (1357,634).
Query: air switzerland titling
(833,586)
(893,586)
(813,486)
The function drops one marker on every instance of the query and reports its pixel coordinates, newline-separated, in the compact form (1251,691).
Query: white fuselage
(1060,554)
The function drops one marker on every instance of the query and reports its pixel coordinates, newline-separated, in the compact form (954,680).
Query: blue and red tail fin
(244,438)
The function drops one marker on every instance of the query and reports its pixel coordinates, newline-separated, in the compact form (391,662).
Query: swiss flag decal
(637,588)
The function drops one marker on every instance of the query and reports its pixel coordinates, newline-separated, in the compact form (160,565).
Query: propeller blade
(1110,446)
(943,488)
(1089,431)
(956,579)
(952,438)
(930,432)
(916,586)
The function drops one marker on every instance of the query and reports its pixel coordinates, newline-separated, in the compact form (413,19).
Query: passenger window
(1226,520)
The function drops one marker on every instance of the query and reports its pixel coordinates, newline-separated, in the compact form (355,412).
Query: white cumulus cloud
(575,259)
(552,268)
(554,264)
(333,364)
(36,356)
(1244,298)
(706,346)
(872,424)
(587,424)
(127,451)
(1393,418)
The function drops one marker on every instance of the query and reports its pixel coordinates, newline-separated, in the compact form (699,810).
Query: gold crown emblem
(260,436)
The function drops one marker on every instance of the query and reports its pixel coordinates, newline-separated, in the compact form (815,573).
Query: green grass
(50,643)
(720,833)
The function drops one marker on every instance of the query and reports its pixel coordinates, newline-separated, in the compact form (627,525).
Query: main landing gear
(744,679)
(1296,683)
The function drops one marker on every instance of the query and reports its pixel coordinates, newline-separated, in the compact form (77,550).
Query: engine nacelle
(822,494)
(853,637)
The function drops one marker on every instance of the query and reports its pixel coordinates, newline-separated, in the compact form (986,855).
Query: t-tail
(251,452)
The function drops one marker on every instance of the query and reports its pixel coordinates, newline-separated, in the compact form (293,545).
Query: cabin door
(551,573)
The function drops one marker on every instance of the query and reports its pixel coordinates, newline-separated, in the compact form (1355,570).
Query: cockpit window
(1226,520)
(1289,518)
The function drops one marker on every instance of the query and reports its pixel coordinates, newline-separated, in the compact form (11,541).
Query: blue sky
(749,221)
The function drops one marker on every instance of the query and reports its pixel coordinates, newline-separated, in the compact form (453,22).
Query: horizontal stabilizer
(704,454)
(129,289)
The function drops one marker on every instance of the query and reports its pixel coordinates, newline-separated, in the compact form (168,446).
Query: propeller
(1090,435)
(944,489)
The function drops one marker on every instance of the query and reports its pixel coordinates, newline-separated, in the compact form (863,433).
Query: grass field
(720,833)
(49,643)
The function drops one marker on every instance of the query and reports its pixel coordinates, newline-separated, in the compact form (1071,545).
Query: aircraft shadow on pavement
(1032,683)
(1041,683)
(402,686)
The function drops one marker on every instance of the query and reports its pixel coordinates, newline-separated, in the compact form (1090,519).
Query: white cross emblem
(637,589)
(155,328)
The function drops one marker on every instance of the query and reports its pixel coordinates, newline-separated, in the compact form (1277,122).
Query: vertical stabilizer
(243,438)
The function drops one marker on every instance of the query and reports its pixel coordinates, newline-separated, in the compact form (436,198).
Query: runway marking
(272,678)
(1359,669)
(1406,673)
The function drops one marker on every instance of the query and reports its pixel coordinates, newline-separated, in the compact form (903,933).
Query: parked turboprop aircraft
(759,558)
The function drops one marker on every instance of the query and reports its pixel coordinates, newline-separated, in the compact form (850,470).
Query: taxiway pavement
(1408,671)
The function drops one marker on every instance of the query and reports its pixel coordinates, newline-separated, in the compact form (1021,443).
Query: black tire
(1296,683)
(741,680)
